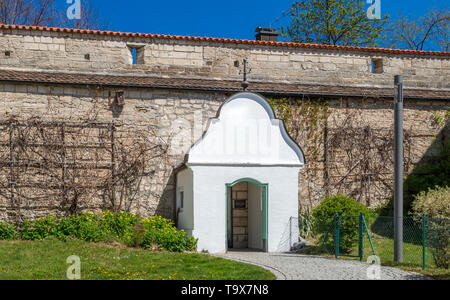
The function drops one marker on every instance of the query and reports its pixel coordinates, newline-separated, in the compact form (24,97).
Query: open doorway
(246,215)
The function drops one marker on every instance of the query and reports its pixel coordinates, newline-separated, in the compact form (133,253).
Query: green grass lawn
(46,260)
(412,258)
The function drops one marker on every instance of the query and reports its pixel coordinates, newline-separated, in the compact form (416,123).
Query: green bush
(7,232)
(123,227)
(121,224)
(324,217)
(338,205)
(86,227)
(41,228)
(160,231)
(436,205)
(438,240)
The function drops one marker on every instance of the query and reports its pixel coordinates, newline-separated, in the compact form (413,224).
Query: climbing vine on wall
(360,158)
(306,121)
(63,166)
(345,153)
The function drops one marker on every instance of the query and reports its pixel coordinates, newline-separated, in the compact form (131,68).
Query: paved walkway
(292,266)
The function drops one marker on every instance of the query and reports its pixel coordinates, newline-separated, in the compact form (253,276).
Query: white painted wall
(210,203)
(246,132)
(186,215)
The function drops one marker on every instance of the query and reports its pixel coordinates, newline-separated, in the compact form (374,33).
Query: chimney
(266,34)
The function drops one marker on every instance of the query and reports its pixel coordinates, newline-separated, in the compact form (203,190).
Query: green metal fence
(425,240)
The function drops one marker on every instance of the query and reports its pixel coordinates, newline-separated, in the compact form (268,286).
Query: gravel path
(292,266)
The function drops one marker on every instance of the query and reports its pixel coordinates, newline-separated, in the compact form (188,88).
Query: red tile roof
(228,86)
(230,41)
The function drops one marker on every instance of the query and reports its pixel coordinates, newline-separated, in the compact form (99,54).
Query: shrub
(7,232)
(41,228)
(436,205)
(438,240)
(324,216)
(338,205)
(120,224)
(162,232)
(87,227)
(123,227)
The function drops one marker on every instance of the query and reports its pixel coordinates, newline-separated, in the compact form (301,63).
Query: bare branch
(428,32)
(47,13)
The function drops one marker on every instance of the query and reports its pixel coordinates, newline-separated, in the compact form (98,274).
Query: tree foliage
(332,22)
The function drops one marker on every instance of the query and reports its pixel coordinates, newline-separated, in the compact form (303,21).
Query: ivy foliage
(305,121)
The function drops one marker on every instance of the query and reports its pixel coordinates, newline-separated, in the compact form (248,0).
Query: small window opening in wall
(137,55)
(134,55)
(7,53)
(377,66)
(87,56)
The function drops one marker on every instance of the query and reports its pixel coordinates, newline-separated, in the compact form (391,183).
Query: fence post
(337,236)
(424,240)
(361,237)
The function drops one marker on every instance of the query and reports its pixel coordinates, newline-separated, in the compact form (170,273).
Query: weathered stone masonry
(63,74)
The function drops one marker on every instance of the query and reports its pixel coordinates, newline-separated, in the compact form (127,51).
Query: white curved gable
(246,132)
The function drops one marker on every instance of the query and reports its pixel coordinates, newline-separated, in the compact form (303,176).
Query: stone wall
(166,113)
(184,114)
(353,126)
(59,51)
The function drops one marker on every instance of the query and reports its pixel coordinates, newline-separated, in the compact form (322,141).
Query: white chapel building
(237,187)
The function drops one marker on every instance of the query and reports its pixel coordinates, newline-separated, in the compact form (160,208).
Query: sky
(228,19)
